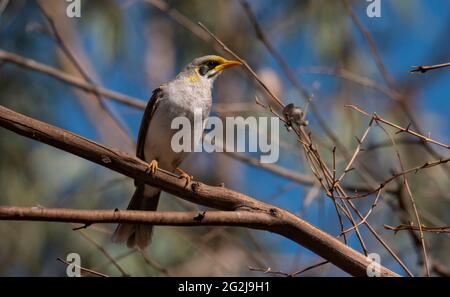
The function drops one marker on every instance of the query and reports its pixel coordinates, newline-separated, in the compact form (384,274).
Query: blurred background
(132,47)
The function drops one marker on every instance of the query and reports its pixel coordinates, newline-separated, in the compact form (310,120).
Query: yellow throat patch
(194,76)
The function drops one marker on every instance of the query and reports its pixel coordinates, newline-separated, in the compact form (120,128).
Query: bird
(191,89)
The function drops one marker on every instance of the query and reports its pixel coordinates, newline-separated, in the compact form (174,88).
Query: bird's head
(208,67)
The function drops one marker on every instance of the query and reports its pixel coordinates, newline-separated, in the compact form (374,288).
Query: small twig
(7,57)
(399,174)
(424,69)
(121,129)
(268,270)
(413,203)
(104,252)
(401,227)
(357,151)
(366,216)
(377,118)
(249,69)
(82,268)
(310,267)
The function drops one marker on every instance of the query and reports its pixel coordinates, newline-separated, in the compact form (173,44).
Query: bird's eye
(211,64)
(203,70)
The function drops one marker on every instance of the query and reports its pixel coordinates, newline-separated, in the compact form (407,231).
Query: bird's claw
(152,166)
(184,175)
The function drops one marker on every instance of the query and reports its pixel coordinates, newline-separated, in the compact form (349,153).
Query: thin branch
(268,270)
(401,227)
(347,75)
(400,128)
(72,80)
(355,154)
(245,64)
(399,98)
(74,61)
(103,251)
(82,268)
(271,48)
(400,174)
(310,267)
(180,19)
(424,69)
(413,203)
(258,214)
(295,176)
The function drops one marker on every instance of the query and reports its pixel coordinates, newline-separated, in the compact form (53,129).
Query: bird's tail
(144,198)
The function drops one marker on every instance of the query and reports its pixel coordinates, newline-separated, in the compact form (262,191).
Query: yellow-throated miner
(189,91)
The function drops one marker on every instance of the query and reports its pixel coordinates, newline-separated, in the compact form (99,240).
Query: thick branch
(249,219)
(259,215)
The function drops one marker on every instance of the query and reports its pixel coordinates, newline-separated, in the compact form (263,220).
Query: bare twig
(268,270)
(424,69)
(82,268)
(398,98)
(400,128)
(400,174)
(413,203)
(245,64)
(424,228)
(103,251)
(72,80)
(310,267)
(120,128)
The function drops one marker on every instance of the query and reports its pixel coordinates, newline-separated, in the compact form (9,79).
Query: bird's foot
(184,175)
(152,166)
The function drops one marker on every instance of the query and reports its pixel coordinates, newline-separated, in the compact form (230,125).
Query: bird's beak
(227,64)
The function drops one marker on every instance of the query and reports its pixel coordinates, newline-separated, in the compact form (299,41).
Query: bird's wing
(145,122)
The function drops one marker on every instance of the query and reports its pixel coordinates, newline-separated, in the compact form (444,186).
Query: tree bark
(247,211)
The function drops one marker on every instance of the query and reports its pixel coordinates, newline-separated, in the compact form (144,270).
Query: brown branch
(424,69)
(316,163)
(72,80)
(268,270)
(246,66)
(400,174)
(398,98)
(400,128)
(296,177)
(404,214)
(103,251)
(83,269)
(180,18)
(413,203)
(114,122)
(271,48)
(303,137)
(417,228)
(258,215)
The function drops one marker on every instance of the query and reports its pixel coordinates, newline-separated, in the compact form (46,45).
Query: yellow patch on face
(194,76)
